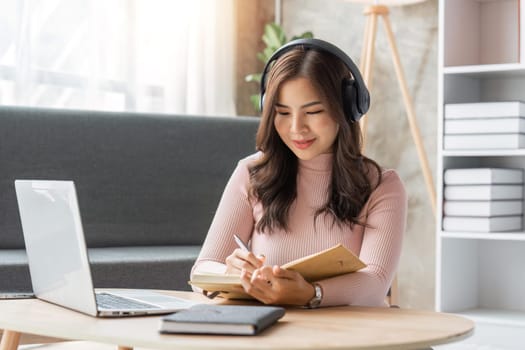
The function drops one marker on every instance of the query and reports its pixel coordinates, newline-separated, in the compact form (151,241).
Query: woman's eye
(315,112)
(282,112)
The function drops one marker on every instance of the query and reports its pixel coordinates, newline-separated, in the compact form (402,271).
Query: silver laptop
(58,260)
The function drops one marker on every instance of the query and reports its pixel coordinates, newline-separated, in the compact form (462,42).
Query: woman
(309,188)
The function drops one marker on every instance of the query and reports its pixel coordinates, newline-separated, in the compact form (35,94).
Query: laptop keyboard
(111,301)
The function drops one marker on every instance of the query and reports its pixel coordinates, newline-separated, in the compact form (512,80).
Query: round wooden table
(324,328)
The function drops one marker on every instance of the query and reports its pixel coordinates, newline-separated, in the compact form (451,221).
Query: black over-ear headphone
(356,99)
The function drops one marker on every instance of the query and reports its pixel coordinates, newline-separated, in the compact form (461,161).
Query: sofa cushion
(141,179)
(155,267)
(14,272)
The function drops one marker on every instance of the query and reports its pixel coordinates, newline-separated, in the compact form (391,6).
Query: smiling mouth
(303,144)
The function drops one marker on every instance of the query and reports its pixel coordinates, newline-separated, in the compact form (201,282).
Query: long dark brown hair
(273,177)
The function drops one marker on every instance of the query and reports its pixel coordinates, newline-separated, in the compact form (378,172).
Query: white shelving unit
(481,275)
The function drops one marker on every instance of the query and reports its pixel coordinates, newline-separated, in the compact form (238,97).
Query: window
(163,56)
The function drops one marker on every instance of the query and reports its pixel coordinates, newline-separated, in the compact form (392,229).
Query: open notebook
(330,262)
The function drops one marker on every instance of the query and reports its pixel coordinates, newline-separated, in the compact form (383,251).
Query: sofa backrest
(141,179)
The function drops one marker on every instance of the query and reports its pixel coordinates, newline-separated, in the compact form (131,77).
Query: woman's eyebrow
(313,103)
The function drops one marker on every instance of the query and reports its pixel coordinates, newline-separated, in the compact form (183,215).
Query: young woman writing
(309,188)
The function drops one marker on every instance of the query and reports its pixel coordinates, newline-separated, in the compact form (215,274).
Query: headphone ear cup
(349,93)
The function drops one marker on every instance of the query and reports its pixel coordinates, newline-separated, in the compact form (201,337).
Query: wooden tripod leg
(412,121)
(124,348)
(362,63)
(369,44)
(10,340)
(367,59)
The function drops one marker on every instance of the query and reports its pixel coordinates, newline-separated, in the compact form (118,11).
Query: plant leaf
(305,35)
(256,77)
(255,102)
(267,53)
(273,36)
(262,57)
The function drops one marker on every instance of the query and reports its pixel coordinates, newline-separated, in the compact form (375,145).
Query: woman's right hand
(241,259)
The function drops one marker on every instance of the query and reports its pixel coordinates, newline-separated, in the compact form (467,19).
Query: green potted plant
(274,37)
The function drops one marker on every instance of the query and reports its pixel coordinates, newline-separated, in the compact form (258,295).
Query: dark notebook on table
(222,319)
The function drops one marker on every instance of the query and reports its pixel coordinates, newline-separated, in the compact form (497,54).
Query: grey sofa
(148,186)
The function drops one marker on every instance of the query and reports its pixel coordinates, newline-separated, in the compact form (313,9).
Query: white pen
(240,243)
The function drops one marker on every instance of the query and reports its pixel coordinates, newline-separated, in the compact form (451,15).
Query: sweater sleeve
(385,214)
(234,215)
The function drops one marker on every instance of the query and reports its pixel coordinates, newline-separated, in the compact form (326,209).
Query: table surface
(344,327)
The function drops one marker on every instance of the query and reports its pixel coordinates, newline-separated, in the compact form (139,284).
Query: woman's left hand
(277,286)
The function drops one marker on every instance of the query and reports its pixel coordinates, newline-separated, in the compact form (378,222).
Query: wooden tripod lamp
(373,11)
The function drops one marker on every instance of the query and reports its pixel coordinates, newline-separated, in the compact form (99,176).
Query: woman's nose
(298,124)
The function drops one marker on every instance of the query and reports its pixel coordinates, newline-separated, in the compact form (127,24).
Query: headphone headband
(362,100)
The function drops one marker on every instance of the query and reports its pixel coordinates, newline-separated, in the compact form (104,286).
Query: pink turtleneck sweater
(379,245)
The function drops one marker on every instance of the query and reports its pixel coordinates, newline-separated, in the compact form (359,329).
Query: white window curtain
(162,56)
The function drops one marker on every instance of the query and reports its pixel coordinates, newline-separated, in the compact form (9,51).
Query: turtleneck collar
(322,162)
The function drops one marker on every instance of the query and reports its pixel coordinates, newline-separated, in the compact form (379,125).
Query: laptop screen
(55,243)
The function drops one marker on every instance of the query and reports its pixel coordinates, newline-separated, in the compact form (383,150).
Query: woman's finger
(279,272)
(263,273)
(253,288)
(241,259)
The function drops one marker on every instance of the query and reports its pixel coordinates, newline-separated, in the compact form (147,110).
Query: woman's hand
(243,260)
(275,285)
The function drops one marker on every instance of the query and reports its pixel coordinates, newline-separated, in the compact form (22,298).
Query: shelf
(487,70)
(494,316)
(480,32)
(479,274)
(500,236)
(484,153)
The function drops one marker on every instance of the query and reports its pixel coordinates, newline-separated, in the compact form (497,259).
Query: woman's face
(302,120)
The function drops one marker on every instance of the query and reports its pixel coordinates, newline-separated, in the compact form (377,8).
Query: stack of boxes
(483,200)
(484,125)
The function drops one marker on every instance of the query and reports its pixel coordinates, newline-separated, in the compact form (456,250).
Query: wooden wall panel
(250,18)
